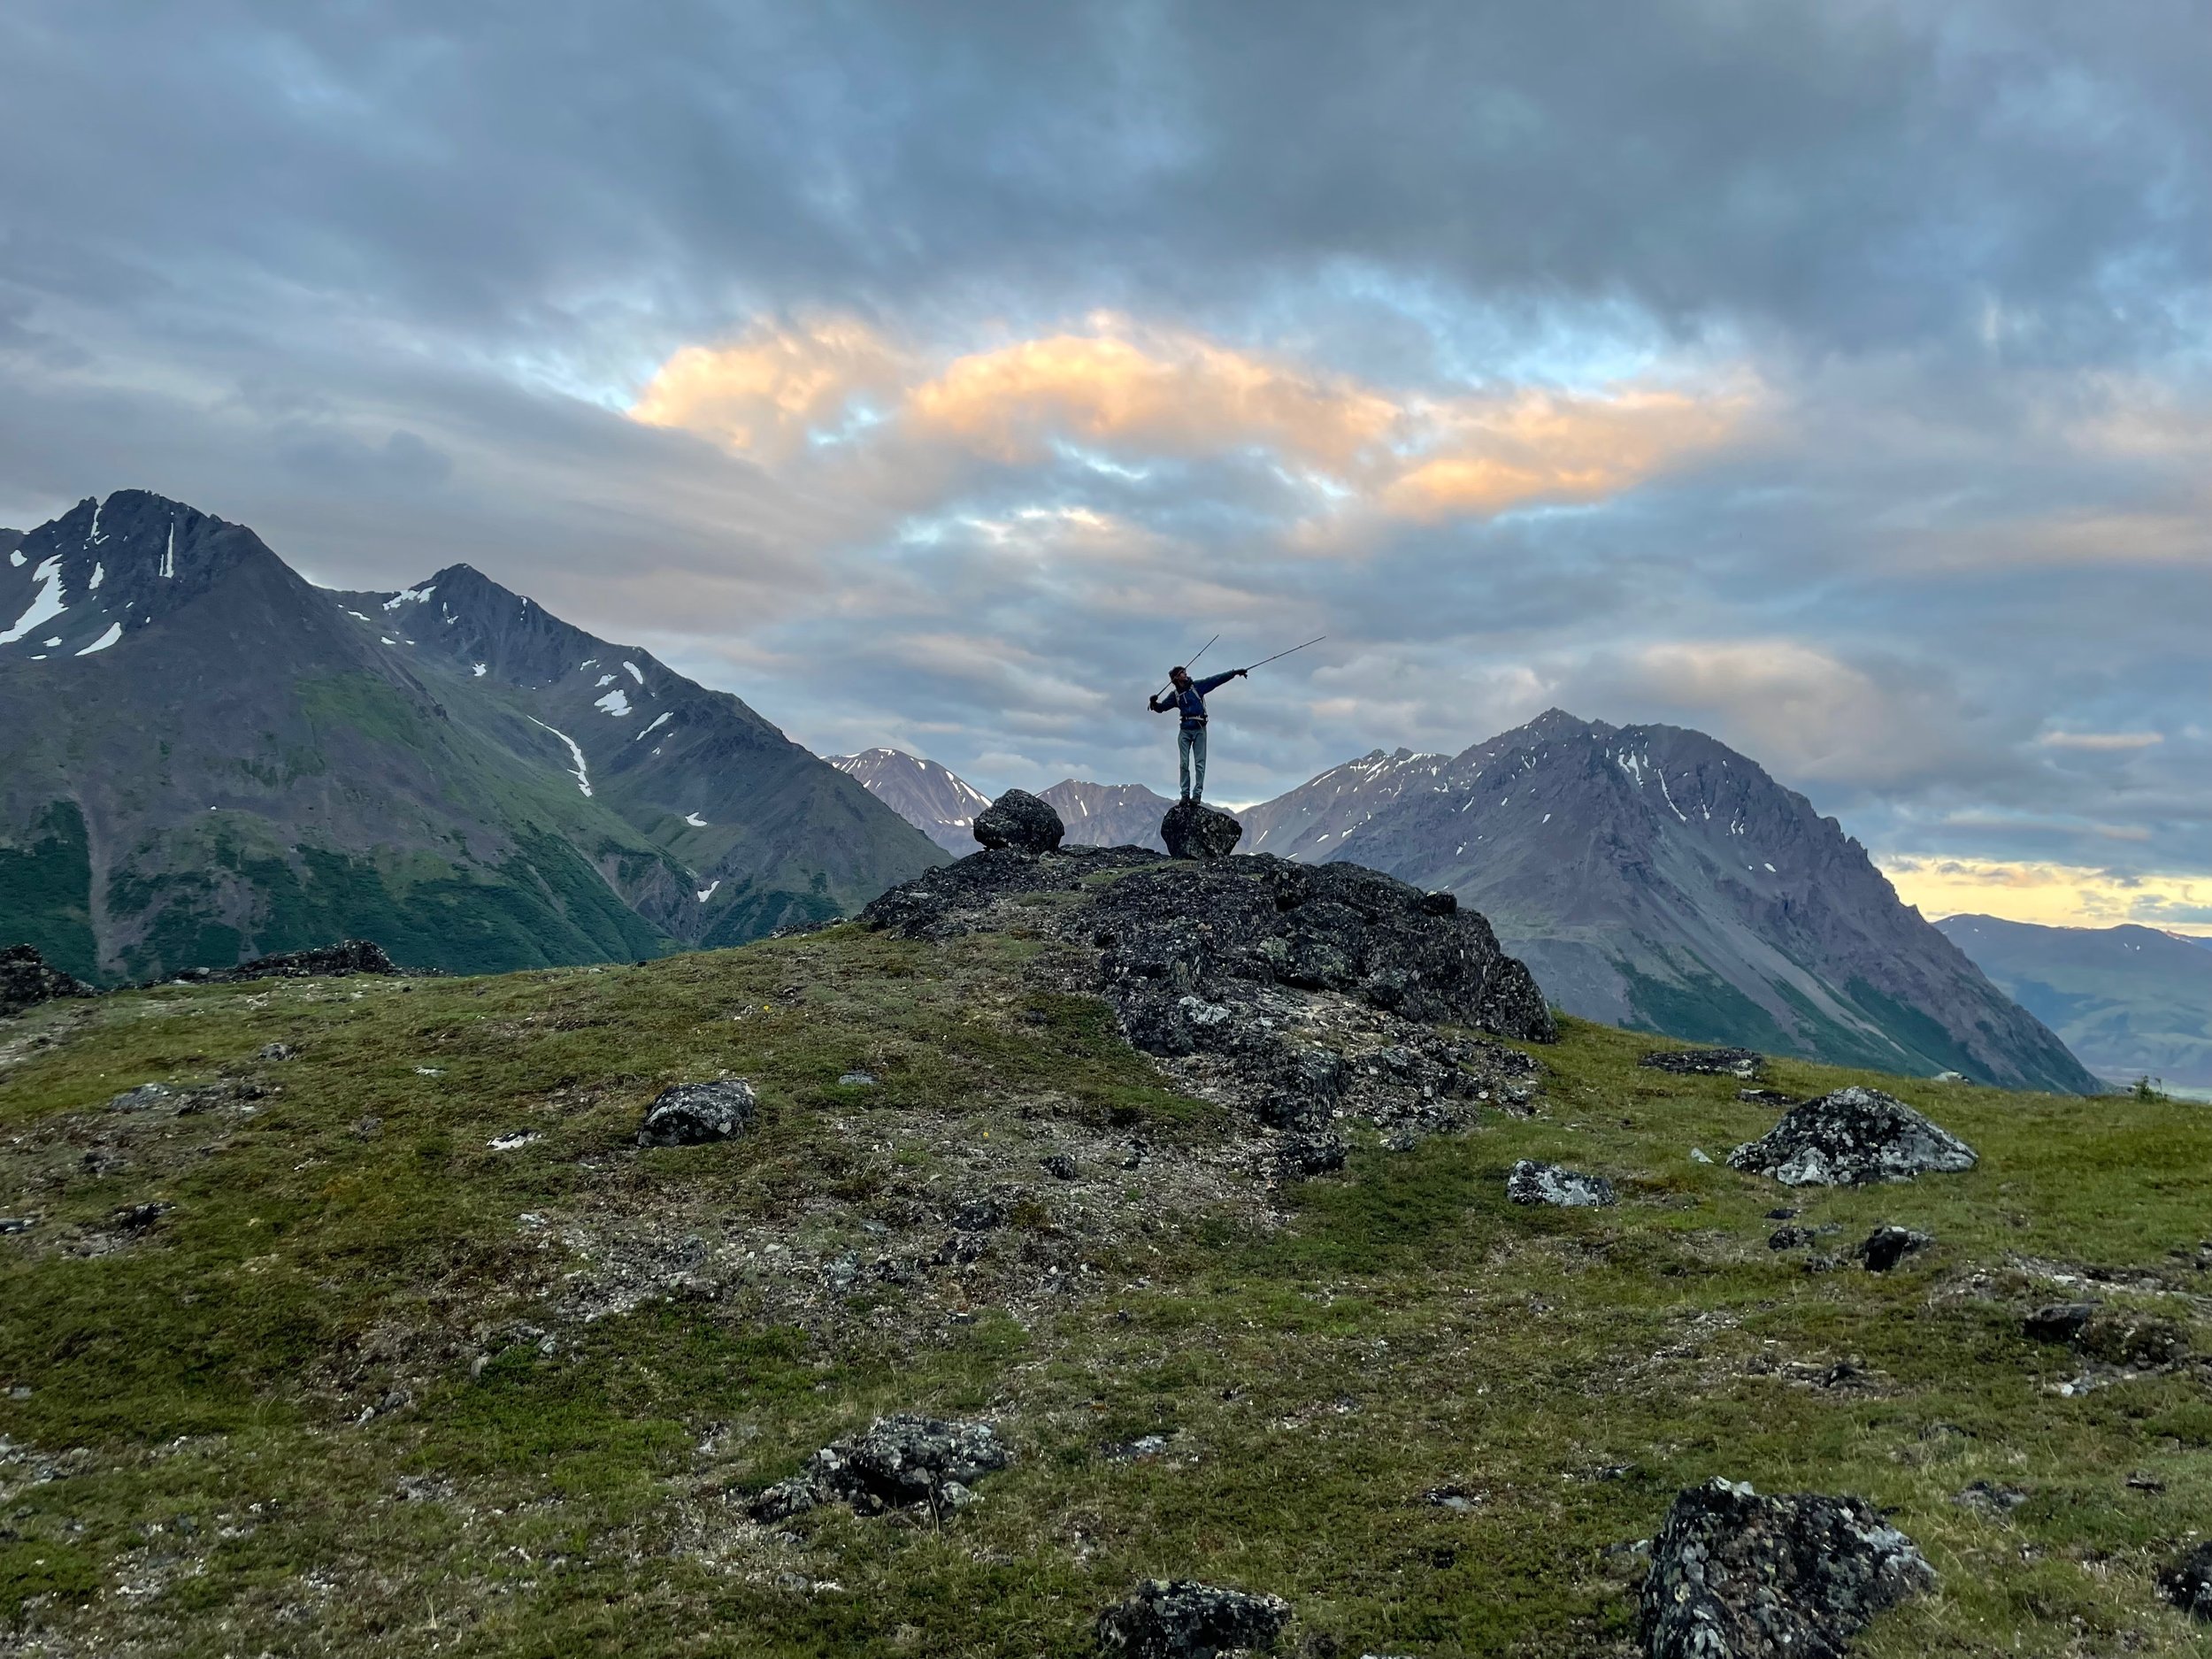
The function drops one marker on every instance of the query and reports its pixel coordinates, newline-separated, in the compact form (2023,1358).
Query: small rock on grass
(1885,1247)
(1743,1063)
(2188,1582)
(2119,1336)
(1180,1618)
(899,1461)
(1058,1165)
(691,1114)
(1984,1498)
(1738,1575)
(140,1099)
(1534,1183)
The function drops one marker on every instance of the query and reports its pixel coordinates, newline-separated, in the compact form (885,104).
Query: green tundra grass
(373,1385)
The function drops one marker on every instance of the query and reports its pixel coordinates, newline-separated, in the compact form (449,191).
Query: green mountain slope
(418,1351)
(207,758)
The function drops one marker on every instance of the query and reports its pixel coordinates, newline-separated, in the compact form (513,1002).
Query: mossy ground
(207,1450)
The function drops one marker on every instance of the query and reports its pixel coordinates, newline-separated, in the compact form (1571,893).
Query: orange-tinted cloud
(2056,895)
(762,395)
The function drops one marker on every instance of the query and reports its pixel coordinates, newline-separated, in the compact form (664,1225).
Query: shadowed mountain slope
(2129,1001)
(932,799)
(1652,877)
(206,758)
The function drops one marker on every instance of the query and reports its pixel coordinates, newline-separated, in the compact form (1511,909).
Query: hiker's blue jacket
(1193,700)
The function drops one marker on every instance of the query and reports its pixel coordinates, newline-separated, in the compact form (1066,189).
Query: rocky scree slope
(209,758)
(1298,995)
(1653,877)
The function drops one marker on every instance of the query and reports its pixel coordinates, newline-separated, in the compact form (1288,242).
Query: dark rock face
(1299,1155)
(1741,1063)
(347,956)
(1293,993)
(1195,830)
(1180,1618)
(1737,1575)
(2188,1582)
(1853,1136)
(900,1461)
(26,982)
(1885,1247)
(692,1114)
(1534,1183)
(1019,819)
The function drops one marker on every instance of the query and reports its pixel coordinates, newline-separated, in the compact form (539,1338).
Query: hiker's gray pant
(1190,751)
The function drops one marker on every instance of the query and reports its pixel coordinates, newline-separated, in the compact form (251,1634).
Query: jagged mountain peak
(933,799)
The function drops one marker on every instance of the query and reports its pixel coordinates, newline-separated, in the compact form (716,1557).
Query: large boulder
(1534,1183)
(902,1460)
(1020,820)
(1737,1575)
(1180,1618)
(692,1114)
(26,979)
(1195,830)
(1851,1137)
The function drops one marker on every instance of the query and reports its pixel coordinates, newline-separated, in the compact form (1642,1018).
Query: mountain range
(1652,877)
(942,805)
(2132,1001)
(206,757)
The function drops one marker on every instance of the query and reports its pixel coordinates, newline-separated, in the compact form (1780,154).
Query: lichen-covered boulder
(2188,1582)
(1180,1618)
(1534,1183)
(1020,820)
(900,1461)
(1883,1248)
(1737,1575)
(1195,830)
(1853,1136)
(692,1114)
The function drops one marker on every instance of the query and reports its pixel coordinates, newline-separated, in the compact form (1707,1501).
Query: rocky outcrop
(1737,1575)
(1195,830)
(26,980)
(1295,993)
(2118,1336)
(692,1114)
(1743,1063)
(2188,1582)
(1180,1618)
(335,961)
(902,1462)
(1853,1136)
(1018,819)
(1534,1183)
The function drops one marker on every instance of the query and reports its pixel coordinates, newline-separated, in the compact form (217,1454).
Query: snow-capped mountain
(934,800)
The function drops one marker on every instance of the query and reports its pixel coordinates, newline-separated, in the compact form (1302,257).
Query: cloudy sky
(1835,377)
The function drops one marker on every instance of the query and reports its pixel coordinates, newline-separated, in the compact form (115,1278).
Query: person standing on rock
(1188,695)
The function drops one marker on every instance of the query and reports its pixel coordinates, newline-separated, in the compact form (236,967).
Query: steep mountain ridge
(2129,1001)
(1651,876)
(932,799)
(220,759)
(1109,814)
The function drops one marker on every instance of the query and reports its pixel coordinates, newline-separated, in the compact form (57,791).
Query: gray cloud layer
(381,280)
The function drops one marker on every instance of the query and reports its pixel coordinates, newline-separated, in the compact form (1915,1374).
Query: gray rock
(1853,1136)
(1885,1247)
(1742,1063)
(1738,1575)
(902,1460)
(1984,1498)
(978,1215)
(1180,1618)
(1195,830)
(2188,1582)
(1018,819)
(348,956)
(1058,1165)
(691,1114)
(1768,1097)
(26,980)
(275,1051)
(1301,1154)
(2118,1336)
(1534,1183)
(17,1223)
(145,1096)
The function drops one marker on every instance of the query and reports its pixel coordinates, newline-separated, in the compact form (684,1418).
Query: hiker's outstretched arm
(1211,681)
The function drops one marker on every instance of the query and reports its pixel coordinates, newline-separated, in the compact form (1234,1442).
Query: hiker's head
(1179,676)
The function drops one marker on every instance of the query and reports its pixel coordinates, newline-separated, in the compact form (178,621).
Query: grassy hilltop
(370,1385)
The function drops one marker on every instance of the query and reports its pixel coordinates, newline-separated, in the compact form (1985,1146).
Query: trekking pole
(1189,660)
(1264,661)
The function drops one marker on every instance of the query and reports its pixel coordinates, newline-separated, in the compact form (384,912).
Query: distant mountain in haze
(2131,1001)
(932,799)
(204,757)
(1652,877)
(1109,814)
